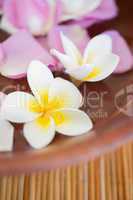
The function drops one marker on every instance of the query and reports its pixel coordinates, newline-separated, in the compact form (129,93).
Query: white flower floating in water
(97,62)
(6,131)
(54,107)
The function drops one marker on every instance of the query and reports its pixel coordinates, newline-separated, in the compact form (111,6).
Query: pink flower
(75,10)
(39,16)
(18,51)
(1,4)
(36,16)
(105,9)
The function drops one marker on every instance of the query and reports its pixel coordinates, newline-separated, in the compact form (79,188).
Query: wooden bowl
(109,103)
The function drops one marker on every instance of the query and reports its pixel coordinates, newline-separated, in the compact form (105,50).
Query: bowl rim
(120,131)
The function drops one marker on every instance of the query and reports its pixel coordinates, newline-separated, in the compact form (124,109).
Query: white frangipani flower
(97,62)
(54,107)
(6,130)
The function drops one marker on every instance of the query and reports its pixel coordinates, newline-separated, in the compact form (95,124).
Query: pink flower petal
(105,11)
(33,15)
(120,47)
(1,4)
(19,50)
(1,54)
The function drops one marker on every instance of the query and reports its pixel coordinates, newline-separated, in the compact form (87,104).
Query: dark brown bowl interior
(106,102)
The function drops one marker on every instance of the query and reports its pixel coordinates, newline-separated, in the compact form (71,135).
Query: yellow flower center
(47,109)
(95,72)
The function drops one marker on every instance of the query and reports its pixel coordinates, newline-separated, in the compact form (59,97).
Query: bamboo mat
(109,177)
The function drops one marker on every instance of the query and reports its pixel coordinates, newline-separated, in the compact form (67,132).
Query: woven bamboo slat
(106,178)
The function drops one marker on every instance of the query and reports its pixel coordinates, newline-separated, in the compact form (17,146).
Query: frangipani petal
(120,47)
(77,34)
(65,94)
(80,73)
(16,107)
(72,122)
(39,78)
(19,50)
(6,136)
(2,97)
(106,66)
(97,46)
(39,136)
(70,49)
(63,58)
